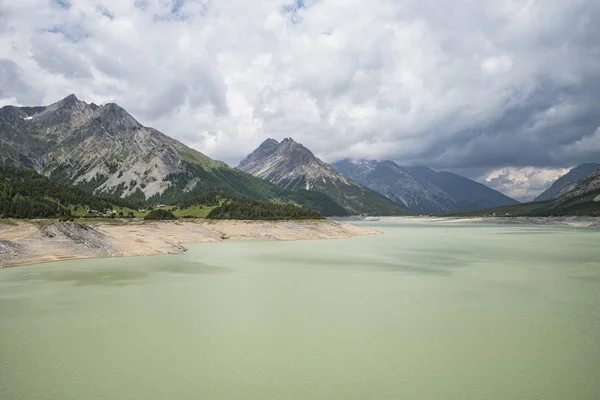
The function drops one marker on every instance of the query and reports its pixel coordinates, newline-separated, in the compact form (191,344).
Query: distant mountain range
(569,181)
(292,166)
(421,189)
(104,150)
(581,198)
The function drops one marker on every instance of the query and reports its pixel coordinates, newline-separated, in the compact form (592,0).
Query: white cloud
(497,65)
(445,83)
(523,184)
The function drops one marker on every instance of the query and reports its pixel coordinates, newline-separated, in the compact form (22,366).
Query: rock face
(591,184)
(292,166)
(101,146)
(421,189)
(76,236)
(569,181)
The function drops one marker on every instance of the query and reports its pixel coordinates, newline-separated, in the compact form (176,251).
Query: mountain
(569,181)
(78,143)
(395,183)
(292,166)
(421,189)
(104,150)
(468,194)
(586,204)
(590,185)
(583,200)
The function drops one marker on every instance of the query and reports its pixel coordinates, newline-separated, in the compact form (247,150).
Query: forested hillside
(231,183)
(26,194)
(587,204)
(254,210)
(105,151)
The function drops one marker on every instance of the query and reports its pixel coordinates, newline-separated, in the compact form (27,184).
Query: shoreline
(567,221)
(45,241)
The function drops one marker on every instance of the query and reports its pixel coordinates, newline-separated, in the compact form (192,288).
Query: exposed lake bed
(32,242)
(422,311)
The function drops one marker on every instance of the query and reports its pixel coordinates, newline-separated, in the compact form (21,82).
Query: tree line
(26,194)
(245,209)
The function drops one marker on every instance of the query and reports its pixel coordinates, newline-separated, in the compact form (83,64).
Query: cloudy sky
(503,91)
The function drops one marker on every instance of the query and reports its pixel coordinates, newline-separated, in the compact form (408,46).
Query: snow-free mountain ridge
(292,166)
(104,150)
(103,145)
(421,189)
(569,181)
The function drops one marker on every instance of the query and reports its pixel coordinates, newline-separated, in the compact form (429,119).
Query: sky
(506,92)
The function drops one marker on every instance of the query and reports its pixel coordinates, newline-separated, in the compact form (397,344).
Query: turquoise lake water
(423,311)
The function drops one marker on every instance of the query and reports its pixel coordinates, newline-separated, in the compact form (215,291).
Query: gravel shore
(33,242)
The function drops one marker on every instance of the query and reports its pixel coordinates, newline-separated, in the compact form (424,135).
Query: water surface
(424,311)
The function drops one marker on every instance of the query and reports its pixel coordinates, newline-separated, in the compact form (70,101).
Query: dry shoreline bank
(34,242)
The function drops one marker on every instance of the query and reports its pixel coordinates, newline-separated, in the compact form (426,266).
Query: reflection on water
(424,311)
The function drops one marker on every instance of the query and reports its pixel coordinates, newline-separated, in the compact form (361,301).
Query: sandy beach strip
(34,242)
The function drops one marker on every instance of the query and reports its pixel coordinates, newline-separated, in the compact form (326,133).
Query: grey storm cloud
(13,85)
(506,92)
(65,60)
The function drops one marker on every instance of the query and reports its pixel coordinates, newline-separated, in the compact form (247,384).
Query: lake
(423,311)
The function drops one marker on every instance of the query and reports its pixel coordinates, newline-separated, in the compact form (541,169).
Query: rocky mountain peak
(113,116)
(265,149)
(269,144)
(60,117)
(295,152)
(69,105)
(70,99)
(292,166)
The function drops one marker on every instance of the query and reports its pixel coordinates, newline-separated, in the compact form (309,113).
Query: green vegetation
(315,201)
(197,211)
(361,200)
(230,183)
(119,212)
(254,210)
(26,194)
(353,199)
(40,197)
(195,157)
(160,214)
(583,205)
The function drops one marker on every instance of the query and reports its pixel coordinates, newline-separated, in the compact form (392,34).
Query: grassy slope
(357,200)
(195,211)
(360,200)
